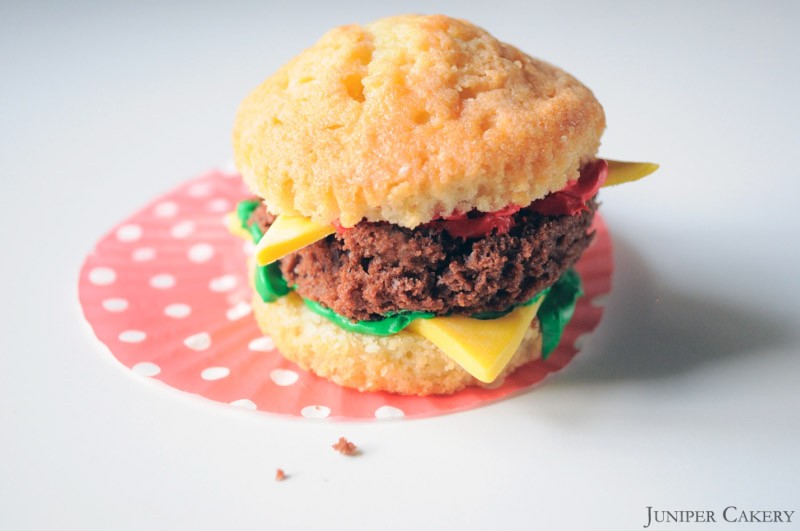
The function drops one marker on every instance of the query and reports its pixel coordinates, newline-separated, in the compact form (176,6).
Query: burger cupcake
(421,193)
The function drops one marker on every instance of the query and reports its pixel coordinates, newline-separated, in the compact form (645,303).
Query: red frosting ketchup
(569,201)
(476,224)
(572,199)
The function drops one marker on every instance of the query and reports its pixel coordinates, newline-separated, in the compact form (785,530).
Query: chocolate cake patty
(375,269)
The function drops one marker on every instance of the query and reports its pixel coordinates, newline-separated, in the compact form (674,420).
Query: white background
(686,397)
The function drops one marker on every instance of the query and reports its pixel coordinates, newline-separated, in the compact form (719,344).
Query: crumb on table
(345,447)
(279,474)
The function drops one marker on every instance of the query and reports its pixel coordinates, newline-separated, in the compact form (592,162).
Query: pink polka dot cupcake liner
(166,291)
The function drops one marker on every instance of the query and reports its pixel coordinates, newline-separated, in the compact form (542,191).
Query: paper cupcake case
(167,292)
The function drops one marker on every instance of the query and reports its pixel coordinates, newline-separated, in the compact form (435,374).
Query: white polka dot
(146,368)
(388,412)
(238,311)
(177,310)
(315,412)
(223,283)
(200,252)
(162,281)
(129,233)
(115,305)
(283,377)
(245,403)
(167,209)
(200,189)
(143,254)
(198,342)
(132,336)
(219,205)
(182,229)
(248,247)
(102,276)
(600,300)
(215,373)
(261,344)
(581,341)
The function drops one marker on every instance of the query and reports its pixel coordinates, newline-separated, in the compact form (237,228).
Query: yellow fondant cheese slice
(286,235)
(483,348)
(623,172)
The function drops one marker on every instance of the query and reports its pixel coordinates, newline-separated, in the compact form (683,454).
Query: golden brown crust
(410,117)
(403,363)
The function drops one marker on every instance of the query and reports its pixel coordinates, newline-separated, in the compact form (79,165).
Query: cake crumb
(279,474)
(345,447)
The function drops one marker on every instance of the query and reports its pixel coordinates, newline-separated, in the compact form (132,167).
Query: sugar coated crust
(412,117)
(403,363)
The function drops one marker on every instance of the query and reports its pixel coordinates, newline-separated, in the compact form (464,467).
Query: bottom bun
(403,363)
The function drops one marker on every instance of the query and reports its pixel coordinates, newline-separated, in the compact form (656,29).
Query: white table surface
(686,397)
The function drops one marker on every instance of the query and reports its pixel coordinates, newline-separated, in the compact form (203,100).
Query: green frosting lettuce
(390,324)
(554,313)
(255,232)
(270,283)
(244,210)
(557,309)
(395,322)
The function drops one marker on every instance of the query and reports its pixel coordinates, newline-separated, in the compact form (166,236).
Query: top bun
(411,117)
